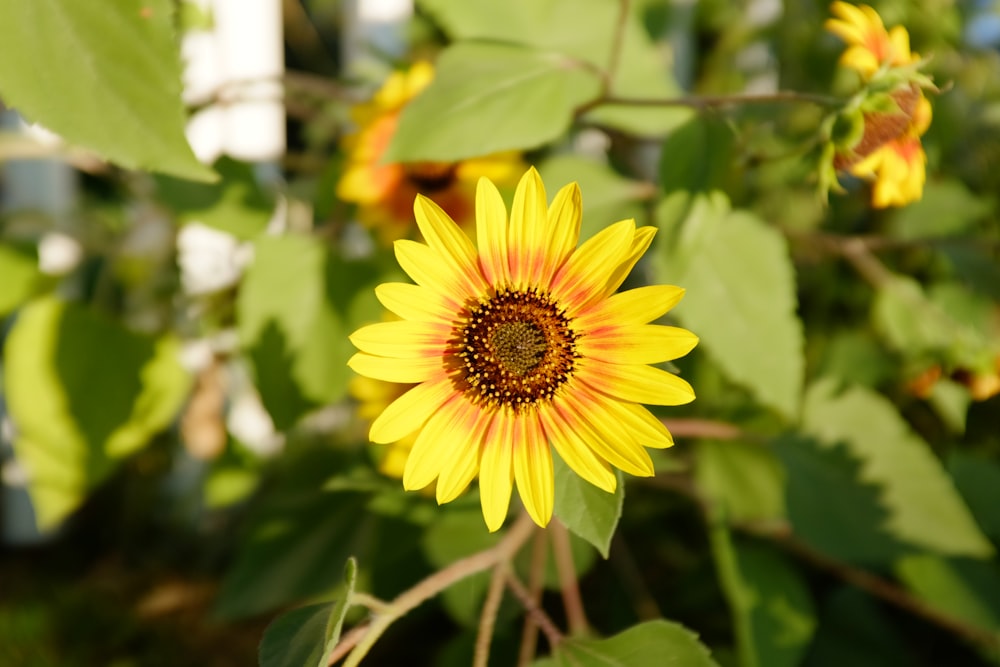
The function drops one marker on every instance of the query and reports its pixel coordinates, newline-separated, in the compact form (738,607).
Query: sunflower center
(515,348)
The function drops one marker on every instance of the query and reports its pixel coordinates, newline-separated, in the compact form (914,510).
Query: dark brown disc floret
(514,348)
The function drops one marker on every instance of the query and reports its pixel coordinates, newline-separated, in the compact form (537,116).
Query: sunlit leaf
(586,510)
(740,299)
(524,97)
(105,76)
(651,643)
(964,589)
(583,30)
(19,276)
(946,208)
(924,508)
(771,607)
(84,392)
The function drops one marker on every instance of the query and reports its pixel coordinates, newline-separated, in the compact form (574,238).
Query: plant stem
(703,428)
(536,581)
(541,618)
(576,618)
(488,617)
(703,102)
(437,582)
(617,42)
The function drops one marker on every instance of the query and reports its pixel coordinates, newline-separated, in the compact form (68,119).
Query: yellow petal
(445,432)
(533,468)
(396,370)
(450,242)
(637,384)
(647,430)
(413,302)
(635,306)
(403,339)
(429,269)
(527,234)
(410,411)
(496,475)
(641,344)
(640,244)
(586,272)
(461,466)
(564,222)
(491,233)
(586,412)
(574,451)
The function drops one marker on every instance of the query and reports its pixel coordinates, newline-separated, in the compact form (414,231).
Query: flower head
(384,191)
(522,345)
(870,46)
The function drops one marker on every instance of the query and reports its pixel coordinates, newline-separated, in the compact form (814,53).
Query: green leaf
(102,75)
(295,639)
(335,622)
(978,480)
(293,311)
(947,208)
(924,508)
(854,527)
(235,204)
(964,589)
(84,393)
(607,196)
(583,30)
(651,643)
(854,630)
(772,610)
(740,297)
(487,98)
(746,479)
(697,156)
(19,276)
(586,510)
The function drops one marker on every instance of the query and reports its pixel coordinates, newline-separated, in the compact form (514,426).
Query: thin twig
(552,633)
(536,582)
(373,603)
(488,616)
(440,580)
(576,618)
(703,102)
(868,266)
(348,641)
(703,428)
(617,42)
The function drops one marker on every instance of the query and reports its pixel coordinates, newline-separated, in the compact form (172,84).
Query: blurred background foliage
(183,454)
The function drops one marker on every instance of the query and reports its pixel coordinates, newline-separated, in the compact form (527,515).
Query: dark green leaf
(963,589)
(697,156)
(770,603)
(102,75)
(524,97)
(924,508)
(19,276)
(295,639)
(746,479)
(853,630)
(84,393)
(651,643)
(236,204)
(978,480)
(740,298)
(586,510)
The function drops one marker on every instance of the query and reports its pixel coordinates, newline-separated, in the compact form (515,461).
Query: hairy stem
(488,617)
(576,618)
(541,618)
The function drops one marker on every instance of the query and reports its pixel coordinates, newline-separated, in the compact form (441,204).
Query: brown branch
(703,428)
(347,642)
(488,616)
(576,617)
(617,42)
(536,582)
(704,102)
(552,633)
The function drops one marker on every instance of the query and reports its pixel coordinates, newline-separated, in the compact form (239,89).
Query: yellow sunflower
(384,191)
(870,45)
(522,345)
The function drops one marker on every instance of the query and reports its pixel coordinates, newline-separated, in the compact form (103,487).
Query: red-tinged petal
(533,467)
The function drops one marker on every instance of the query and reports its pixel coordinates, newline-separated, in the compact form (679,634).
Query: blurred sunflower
(522,346)
(889,153)
(870,45)
(384,191)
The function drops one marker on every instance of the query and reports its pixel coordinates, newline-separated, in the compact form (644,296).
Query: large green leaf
(924,508)
(772,611)
(978,480)
(491,97)
(964,589)
(294,309)
(746,479)
(651,643)
(105,75)
(947,208)
(740,298)
(84,392)
(19,275)
(583,30)
(697,156)
(586,510)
